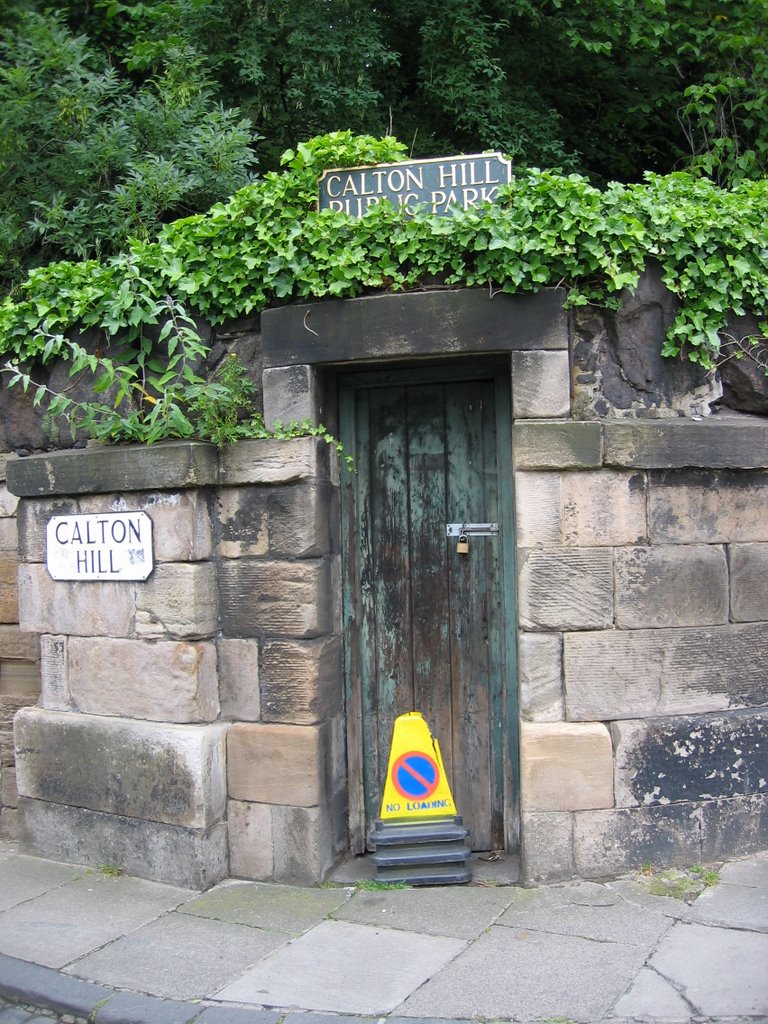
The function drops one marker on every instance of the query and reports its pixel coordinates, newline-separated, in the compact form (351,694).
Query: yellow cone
(416,785)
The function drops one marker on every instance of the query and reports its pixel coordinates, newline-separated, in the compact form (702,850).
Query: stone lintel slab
(168,465)
(177,855)
(693,757)
(557,444)
(273,461)
(145,770)
(414,324)
(651,672)
(718,442)
(565,766)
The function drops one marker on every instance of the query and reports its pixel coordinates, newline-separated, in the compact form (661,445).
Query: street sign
(99,546)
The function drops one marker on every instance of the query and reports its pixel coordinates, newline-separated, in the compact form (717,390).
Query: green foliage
(269,244)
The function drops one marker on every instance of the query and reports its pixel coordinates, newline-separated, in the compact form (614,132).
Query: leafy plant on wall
(269,244)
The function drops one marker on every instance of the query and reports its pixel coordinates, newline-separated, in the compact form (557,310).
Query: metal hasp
(471,529)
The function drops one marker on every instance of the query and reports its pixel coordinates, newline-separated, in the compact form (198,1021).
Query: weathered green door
(426,628)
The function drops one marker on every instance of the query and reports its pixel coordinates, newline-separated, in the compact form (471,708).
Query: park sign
(103,546)
(438,185)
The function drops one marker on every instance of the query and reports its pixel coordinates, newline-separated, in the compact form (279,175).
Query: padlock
(462,548)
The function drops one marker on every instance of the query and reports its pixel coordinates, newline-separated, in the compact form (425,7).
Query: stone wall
(171,705)
(643,589)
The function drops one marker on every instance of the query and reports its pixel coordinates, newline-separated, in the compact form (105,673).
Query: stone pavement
(79,943)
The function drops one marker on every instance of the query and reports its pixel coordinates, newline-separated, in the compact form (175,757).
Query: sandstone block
(250,840)
(9,823)
(299,520)
(75,609)
(276,598)
(547,847)
(171,465)
(10,705)
(303,847)
(272,461)
(653,672)
(9,567)
(20,677)
(9,535)
(702,757)
(680,442)
(588,509)
(749,582)
(8,502)
(32,518)
(733,827)
(541,384)
(167,773)
(54,673)
(610,842)
(302,681)
(565,767)
(9,795)
(18,644)
(159,681)
(9,604)
(566,588)
(685,585)
(290,394)
(540,675)
(690,506)
(575,444)
(181,521)
(242,515)
(177,855)
(277,764)
(178,601)
(239,679)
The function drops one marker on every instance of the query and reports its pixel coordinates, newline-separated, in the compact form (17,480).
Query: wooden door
(426,628)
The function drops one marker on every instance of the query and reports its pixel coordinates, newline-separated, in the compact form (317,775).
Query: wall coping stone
(719,442)
(168,465)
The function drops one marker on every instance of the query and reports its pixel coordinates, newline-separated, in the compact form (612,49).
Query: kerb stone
(163,682)
(168,773)
(565,767)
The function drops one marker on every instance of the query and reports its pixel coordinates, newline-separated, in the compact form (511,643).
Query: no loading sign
(415,775)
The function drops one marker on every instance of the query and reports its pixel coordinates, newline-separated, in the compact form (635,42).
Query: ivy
(269,244)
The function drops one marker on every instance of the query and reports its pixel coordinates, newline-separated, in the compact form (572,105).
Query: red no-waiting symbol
(415,775)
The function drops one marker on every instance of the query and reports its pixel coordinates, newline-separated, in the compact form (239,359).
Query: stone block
(239,679)
(565,767)
(16,643)
(277,764)
(302,843)
(702,757)
(159,681)
(575,444)
(10,705)
(167,773)
(566,588)
(610,842)
(717,442)
(9,567)
(299,520)
(178,602)
(181,521)
(684,585)
(290,395)
(276,598)
(8,502)
(9,795)
(177,855)
(54,673)
(75,609)
(301,680)
(541,384)
(20,677)
(242,516)
(588,509)
(654,672)
(748,564)
(250,840)
(172,465)
(9,535)
(32,518)
(9,604)
(547,847)
(9,823)
(733,827)
(540,675)
(696,506)
(272,461)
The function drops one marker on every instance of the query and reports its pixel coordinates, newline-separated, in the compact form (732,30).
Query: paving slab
(732,906)
(178,956)
(24,878)
(748,871)
(636,891)
(585,909)
(62,925)
(345,967)
(282,908)
(719,971)
(529,975)
(443,910)
(652,996)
